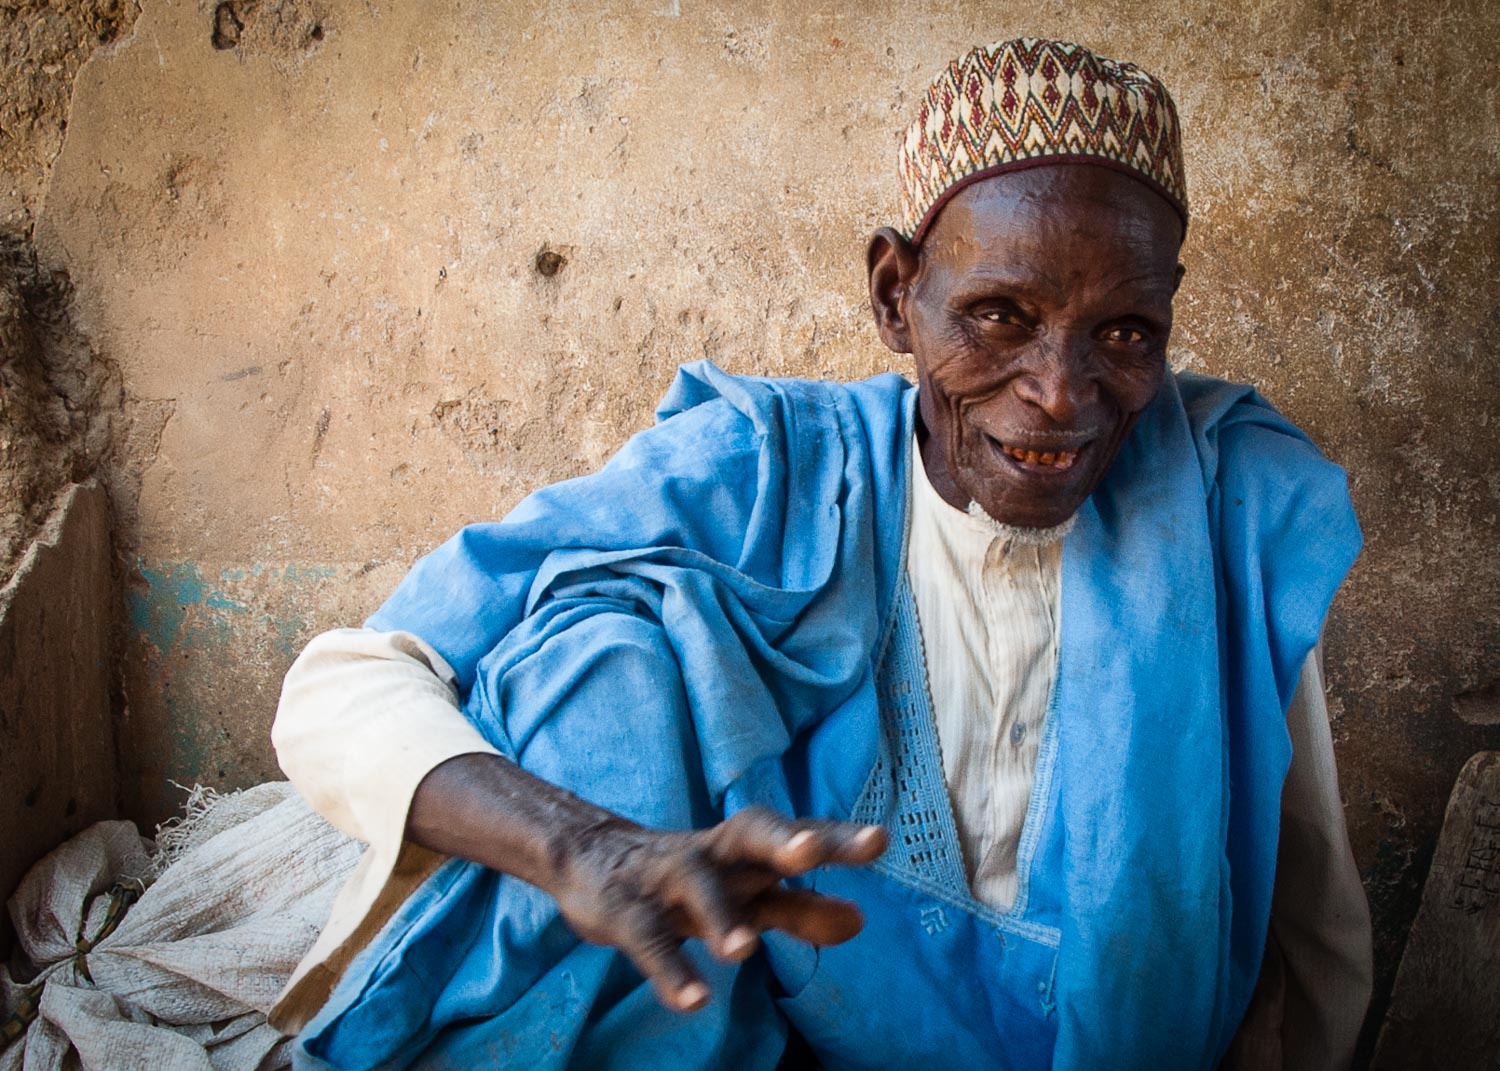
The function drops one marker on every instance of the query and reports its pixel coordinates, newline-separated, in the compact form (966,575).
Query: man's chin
(1042,512)
(1024,534)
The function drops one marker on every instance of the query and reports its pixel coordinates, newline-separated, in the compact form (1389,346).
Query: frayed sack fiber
(134,956)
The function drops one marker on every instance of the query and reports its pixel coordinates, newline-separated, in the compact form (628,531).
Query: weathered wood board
(57,733)
(1445,1008)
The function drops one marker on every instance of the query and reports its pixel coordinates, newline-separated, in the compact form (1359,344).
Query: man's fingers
(816,919)
(831,842)
(789,847)
(701,892)
(657,953)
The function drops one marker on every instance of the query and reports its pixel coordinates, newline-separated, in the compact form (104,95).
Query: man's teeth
(1059,459)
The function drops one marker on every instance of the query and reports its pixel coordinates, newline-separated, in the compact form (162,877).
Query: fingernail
(693,995)
(739,940)
(798,840)
(868,835)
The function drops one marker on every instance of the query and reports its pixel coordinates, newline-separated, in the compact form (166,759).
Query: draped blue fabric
(710,622)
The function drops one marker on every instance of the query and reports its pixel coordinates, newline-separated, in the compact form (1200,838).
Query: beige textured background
(300,238)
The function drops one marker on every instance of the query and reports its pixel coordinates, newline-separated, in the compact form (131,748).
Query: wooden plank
(57,733)
(1445,1008)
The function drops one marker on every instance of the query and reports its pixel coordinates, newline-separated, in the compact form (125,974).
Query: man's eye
(1000,316)
(1131,336)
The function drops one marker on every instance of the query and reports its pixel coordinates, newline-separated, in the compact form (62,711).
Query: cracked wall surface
(57,398)
(43,43)
(369,271)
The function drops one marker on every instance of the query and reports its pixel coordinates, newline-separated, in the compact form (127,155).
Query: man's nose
(1058,382)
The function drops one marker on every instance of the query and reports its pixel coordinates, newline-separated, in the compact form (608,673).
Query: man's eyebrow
(1148,284)
(981,283)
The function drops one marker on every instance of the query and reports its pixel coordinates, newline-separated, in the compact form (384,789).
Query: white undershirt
(989,612)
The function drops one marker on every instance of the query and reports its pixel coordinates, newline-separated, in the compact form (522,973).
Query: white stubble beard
(1019,536)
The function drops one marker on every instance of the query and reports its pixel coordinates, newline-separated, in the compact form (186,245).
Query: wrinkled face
(1038,310)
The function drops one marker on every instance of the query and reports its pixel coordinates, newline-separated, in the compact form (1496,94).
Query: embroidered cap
(1033,103)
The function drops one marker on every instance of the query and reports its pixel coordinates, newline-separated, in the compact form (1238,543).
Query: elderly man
(1033,640)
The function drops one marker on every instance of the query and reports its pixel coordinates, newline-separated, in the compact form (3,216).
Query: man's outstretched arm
(641,890)
(369,731)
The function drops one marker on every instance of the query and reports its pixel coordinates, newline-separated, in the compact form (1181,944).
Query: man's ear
(892,263)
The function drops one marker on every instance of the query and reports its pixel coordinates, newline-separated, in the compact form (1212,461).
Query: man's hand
(645,891)
(640,890)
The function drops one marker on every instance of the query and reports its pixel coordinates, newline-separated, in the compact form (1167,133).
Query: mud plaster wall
(58,399)
(307,234)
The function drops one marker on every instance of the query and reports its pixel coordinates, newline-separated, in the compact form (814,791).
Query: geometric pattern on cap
(1029,103)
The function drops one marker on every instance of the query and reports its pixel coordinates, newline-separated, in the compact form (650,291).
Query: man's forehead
(1036,221)
(1034,104)
(1066,195)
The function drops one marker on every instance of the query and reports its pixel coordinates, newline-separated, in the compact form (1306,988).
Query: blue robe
(719,618)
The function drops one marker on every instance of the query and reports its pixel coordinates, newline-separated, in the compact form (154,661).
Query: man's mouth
(1048,455)
(1060,460)
(1052,455)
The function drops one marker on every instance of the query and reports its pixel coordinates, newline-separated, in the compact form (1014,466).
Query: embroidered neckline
(907,794)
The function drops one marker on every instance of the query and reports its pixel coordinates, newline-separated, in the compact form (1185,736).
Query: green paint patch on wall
(158,612)
(198,631)
(179,609)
